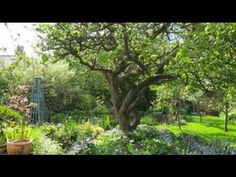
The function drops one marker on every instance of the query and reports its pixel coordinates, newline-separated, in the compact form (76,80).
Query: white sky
(27,37)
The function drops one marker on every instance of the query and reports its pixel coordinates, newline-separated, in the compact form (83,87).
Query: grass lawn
(211,128)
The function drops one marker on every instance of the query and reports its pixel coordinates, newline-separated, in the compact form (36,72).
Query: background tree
(66,90)
(208,57)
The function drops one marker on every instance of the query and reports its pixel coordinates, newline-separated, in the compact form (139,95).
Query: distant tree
(209,61)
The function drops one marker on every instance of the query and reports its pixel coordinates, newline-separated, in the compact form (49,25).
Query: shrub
(72,89)
(83,147)
(70,133)
(145,132)
(48,129)
(87,130)
(187,144)
(112,142)
(8,116)
(86,134)
(62,133)
(193,145)
(216,147)
(148,120)
(66,134)
(232,115)
(151,141)
(44,145)
(152,147)
(59,118)
(2,139)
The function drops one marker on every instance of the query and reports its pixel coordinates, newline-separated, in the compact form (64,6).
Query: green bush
(232,115)
(187,144)
(71,132)
(151,147)
(86,134)
(150,141)
(8,116)
(112,142)
(219,147)
(66,134)
(43,145)
(145,132)
(87,130)
(67,91)
(48,129)
(2,139)
(58,118)
(148,120)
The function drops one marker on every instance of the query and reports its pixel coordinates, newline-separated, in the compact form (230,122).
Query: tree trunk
(226,116)
(124,122)
(178,118)
(226,121)
(123,108)
(201,117)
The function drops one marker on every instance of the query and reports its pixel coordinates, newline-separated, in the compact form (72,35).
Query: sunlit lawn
(210,128)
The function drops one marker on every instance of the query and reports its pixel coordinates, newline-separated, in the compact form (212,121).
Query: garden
(121,89)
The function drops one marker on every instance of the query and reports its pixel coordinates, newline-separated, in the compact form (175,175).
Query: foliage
(111,142)
(218,147)
(15,133)
(58,118)
(150,141)
(124,53)
(87,130)
(232,115)
(148,120)
(3,139)
(145,132)
(82,148)
(8,116)
(71,132)
(21,104)
(86,136)
(48,129)
(193,145)
(66,134)
(75,88)
(207,57)
(43,145)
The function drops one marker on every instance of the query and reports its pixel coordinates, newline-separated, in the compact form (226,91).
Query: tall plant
(22,104)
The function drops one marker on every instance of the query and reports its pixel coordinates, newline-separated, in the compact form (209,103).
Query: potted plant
(18,137)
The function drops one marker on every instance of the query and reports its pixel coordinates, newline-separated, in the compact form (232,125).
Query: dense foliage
(127,89)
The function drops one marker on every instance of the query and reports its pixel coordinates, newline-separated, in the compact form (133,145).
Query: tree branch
(92,67)
(127,49)
(157,32)
(154,79)
(135,102)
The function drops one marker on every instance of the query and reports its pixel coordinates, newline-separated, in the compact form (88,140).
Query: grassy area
(211,128)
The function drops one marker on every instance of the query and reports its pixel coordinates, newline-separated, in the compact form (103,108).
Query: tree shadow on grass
(209,122)
(219,126)
(216,136)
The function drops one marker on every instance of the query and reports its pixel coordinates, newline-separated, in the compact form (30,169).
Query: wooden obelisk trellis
(39,114)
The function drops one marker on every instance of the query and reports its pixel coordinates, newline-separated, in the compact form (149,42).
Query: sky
(8,36)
